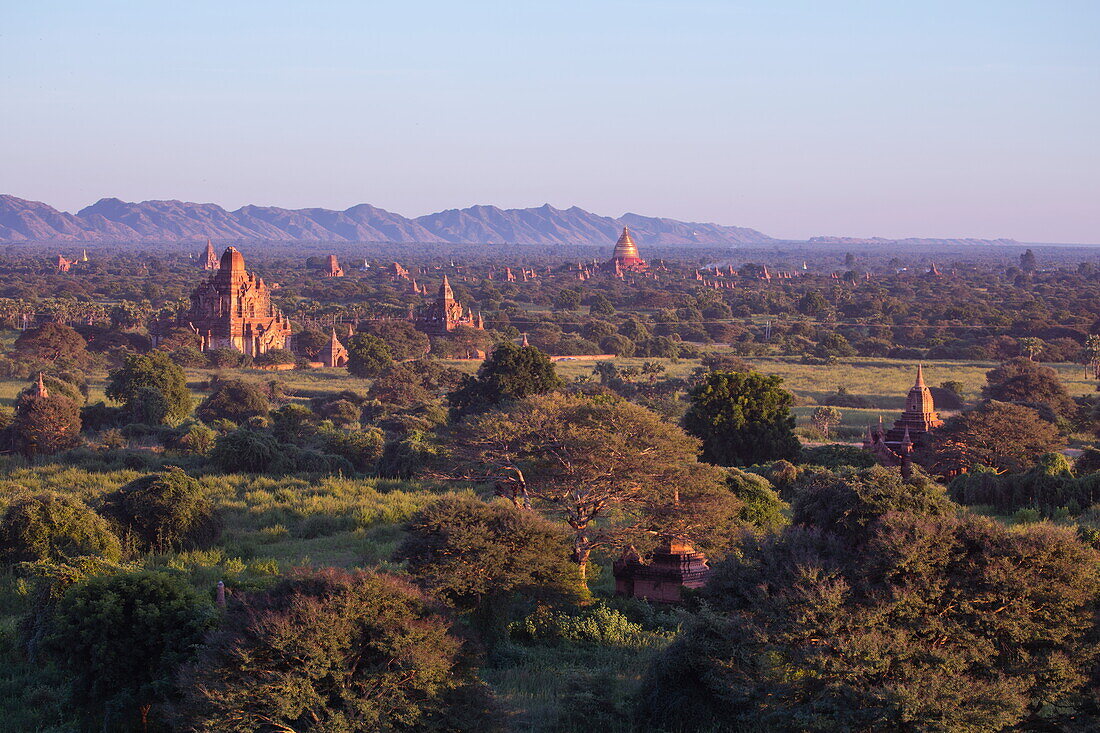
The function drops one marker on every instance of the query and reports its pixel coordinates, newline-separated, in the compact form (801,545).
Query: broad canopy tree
(511,372)
(154,374)
(332,650)
(999,435)
(613,471)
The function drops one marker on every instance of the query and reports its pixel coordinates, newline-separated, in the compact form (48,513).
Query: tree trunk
(581,556)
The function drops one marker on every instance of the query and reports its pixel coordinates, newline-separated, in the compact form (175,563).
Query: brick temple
(894,447)
(445,314)
(233,309)
(674,565)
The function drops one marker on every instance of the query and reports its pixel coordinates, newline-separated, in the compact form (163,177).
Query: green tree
(742,418)
(142,376)
(481,556)
(1022,380)
(825,418)
(245,449)
(883,608)
(567,299)
(584,460)
(332,650)
(122,638)
(368,356)
(52,343)
(999,435)
(401,337)
(55,528)
(235,400)
(511,372)
(44,424)
(1031,346)
(163,511)
(599,305)
(761,506)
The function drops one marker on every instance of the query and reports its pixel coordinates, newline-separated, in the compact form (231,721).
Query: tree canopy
(742,418)
(1025,381)
(332,650)
(510,373)
(163,511)
(235,400)
(1000,435)
(55,528)
(479,555)
(883,608)
(584,460)
(368,356)
(121,638)
(156,373)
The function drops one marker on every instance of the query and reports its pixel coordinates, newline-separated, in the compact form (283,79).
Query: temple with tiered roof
(894,447)
(445,314)
(233,309)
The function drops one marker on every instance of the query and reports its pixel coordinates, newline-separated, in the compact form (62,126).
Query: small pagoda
(893,447)
(674,565)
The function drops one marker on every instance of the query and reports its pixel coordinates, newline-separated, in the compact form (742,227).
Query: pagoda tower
(920,414)
(625,256)
(445,314)
(208,260)
(894,446)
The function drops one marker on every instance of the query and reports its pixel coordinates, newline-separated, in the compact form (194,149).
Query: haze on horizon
(934,119)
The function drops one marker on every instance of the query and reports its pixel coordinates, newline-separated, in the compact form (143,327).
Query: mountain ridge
(113,220)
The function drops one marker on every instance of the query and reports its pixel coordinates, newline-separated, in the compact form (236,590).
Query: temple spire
(445,292)
(40,387)
(920,375)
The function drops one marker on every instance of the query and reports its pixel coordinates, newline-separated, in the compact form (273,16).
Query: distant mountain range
(112,220)
(913,241)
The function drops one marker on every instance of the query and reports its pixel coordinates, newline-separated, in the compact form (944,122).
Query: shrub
(122,639)
(235,400)
(333,650)
(163,511)
(597,624)
(252,451)
(55,528)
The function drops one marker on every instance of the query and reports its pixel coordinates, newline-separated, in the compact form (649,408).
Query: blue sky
(881,117)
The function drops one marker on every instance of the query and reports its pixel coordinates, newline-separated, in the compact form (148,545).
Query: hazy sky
(881,117)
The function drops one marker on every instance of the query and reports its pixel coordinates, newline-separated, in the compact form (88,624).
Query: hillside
(113,220)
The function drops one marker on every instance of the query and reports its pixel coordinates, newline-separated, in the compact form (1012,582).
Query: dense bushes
(883,608)
(1048,486)
(55,528)
(333,650)
(162,512)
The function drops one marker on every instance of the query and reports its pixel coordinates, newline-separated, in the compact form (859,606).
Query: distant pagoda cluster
(64,264)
